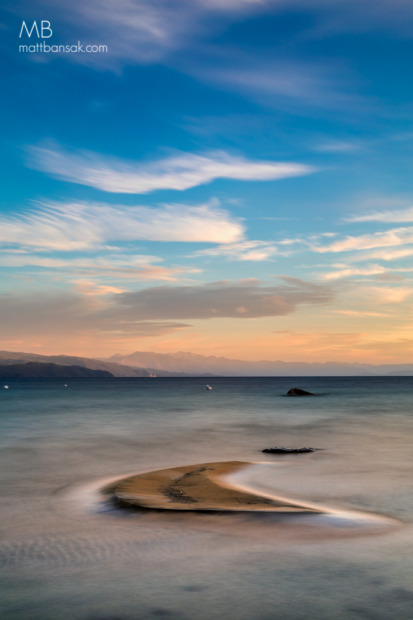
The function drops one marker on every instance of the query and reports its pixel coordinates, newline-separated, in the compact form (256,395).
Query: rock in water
(278,450)
(298,392)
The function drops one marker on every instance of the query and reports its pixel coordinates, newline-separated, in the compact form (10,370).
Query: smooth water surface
(66,554)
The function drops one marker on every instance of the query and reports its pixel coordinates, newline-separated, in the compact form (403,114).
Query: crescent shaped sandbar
(200,487)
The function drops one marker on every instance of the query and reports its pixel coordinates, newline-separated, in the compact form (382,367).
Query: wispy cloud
(145,273)
(281,84)
(389,238)
(353,16)
(386,273)
(180,171)
(338,146)
(243,251)
(345,272)
(385,255)
(389,294)
(116,261)
(86,287)
(108,267)
(79,226)
(361,313)
(402,215)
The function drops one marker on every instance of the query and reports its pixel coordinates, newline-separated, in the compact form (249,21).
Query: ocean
(66,553)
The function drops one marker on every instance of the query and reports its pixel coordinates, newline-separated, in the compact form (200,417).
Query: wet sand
(197,487)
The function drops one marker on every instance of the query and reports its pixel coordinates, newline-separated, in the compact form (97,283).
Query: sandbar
(199,487)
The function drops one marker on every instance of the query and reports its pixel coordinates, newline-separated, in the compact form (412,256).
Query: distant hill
(183,362)
(39,370)
(8,358)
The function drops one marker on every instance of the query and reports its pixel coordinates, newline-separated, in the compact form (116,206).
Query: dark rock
(278,450)
(298,392)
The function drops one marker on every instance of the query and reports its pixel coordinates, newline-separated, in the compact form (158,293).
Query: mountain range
(148,364)
(182,362)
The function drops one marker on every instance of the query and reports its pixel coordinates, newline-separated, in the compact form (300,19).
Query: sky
(224,177)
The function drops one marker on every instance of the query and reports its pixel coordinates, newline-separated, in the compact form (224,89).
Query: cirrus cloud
(243,251)
(79,225)
(388,238)
(179,171)
(399,215)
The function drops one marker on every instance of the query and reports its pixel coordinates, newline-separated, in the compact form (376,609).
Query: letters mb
(45,31)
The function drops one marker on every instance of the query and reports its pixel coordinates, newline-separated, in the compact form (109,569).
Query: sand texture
(196,487)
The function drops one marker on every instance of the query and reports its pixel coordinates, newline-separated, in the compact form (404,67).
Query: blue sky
(229,177)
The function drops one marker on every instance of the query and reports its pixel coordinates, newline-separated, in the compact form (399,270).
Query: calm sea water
(66,555)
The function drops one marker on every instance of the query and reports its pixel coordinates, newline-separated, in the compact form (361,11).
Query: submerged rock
(278,450)
(298,392)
